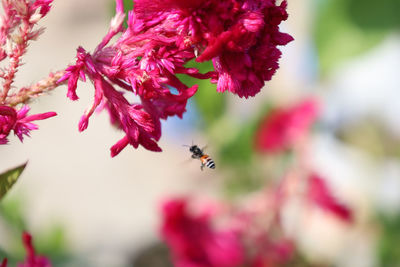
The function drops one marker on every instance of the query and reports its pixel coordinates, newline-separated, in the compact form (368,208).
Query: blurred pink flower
(281,128)
(19,122)
(273,254)
(162,36)
(320,195)
(31,259)
(194,242)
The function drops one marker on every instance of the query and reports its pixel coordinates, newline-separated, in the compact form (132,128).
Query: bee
(206,160)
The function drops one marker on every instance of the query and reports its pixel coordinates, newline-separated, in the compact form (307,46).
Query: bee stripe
(210,163)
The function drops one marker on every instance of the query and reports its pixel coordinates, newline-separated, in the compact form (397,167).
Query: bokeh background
(85,208)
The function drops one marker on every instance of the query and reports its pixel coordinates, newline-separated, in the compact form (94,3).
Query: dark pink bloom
(162,36)
(4,263)
(281,128)
(320,194)
(19,122)
(194,242)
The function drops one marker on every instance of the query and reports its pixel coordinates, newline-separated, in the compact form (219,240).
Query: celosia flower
(194,242)
(31,259)
(18,122)
(320,195)
(241,37)
(281,128)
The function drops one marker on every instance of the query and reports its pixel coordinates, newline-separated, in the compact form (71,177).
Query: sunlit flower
(162,36)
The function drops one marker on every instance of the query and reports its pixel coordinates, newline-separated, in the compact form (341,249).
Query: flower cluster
(17,30)
(240,37)
(31,259)
(250,234)
(193,240)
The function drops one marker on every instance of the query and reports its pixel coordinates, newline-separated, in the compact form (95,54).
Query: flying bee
(206,160)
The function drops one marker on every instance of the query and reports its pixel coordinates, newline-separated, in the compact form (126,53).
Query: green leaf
(338,37)
(210,104)
(388,248)
(239,151)
(12,212)
(8,178)
(53,244)
(375,15)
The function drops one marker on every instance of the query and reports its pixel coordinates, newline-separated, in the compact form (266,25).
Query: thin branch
(27,93)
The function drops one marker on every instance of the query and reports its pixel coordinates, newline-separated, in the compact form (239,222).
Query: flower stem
(27,93)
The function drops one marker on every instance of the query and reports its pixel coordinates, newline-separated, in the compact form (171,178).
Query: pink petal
(319,193)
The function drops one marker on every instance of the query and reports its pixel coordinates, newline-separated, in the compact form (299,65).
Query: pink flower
(194,242)
(139,126)
(281,128)
(320,195)
(162,36)
(19,122)
(31,259)
(271,254)
(241,37)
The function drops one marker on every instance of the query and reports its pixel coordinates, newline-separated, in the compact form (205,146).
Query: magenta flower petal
(119,146)
(43,5)
(320,194)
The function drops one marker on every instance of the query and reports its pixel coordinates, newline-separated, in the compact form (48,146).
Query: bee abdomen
(210,163)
